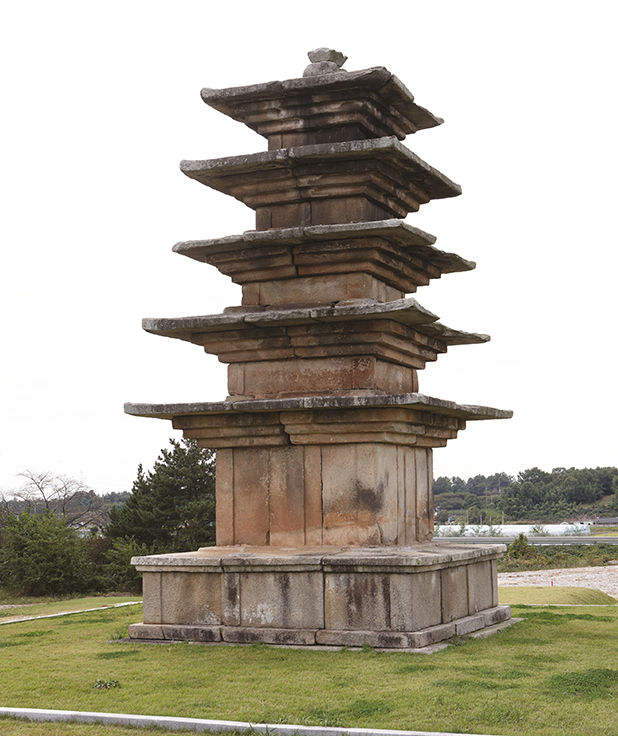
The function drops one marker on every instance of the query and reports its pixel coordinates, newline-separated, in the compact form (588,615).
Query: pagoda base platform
(385,597)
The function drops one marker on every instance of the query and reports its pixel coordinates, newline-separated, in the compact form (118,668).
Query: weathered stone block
(191,598)
(415,601)
(151,588)
(337,375)
(468,624)
(496,615)
(340,498)
(225,496)
(281,600)
(230,598)
(424,495)
(192,633)
(356,601)
(480,586)
(175,633)
(145,631)
(433,635)
(455,593)
(318,290)
(378,639)
(251,498)
(248,635)
(313,495)
(286,486)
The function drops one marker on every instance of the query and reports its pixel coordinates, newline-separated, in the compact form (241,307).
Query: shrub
(42,556)
(118,572)
(520,547)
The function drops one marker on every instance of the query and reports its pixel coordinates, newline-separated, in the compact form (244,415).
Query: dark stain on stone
(245,636)
(369,499)
(390,640)
(386,596)
(283,581)
(359,590)
(231,590)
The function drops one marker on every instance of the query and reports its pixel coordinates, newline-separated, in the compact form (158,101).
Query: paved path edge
(199,724)
(69,613)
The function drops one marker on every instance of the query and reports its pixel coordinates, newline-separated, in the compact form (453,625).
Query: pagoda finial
(324,61)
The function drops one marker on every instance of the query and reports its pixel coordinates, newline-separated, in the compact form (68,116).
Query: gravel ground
(600,578)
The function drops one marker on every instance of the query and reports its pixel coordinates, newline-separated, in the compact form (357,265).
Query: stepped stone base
(387,597)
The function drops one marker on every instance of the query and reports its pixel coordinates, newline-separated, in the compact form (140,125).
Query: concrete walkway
(199,724)
(19,619)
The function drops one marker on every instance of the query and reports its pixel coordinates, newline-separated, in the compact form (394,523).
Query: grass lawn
(554,595)
(553,674)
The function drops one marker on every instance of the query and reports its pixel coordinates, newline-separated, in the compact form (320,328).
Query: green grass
(530,679)
(550,557)
(554,595)
(64,606)
(14,727)
(604,531)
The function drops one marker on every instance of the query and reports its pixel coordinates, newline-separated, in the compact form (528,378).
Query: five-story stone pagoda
(324,445)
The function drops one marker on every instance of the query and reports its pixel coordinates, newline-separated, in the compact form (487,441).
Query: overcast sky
(101,102)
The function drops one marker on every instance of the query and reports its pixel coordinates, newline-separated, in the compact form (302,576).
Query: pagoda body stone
(324,466)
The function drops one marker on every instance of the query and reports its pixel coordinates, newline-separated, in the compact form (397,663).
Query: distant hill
(535,496)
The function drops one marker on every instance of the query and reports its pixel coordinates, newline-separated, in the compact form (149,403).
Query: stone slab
(281,600)
(249,635)
(299,178)
(331,558)
(404,311)
(327,285)
(496,615)
(410,239)
(239,102)
(337,375)
(414,400)
(469,624)
(172,632)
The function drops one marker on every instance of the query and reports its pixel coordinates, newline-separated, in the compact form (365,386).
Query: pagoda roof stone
(468,412)
(404,311)
(373,101)
(412,240)
(382,170)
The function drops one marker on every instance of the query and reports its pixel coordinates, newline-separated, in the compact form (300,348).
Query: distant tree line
(535,496)
(57,537)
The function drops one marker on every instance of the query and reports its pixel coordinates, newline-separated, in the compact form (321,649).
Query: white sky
(101,102)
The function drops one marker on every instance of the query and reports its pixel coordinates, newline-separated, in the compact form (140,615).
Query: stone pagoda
(324,498)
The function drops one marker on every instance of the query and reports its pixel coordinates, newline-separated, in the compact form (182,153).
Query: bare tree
(62,495)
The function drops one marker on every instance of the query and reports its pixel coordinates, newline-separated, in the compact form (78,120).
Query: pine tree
(171,507)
